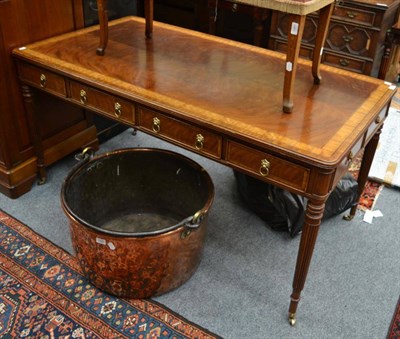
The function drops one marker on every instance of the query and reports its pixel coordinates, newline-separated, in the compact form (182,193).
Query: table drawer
(268,166)
(354,15)
(374,127)
(39,77)
(192,137)
(114,107)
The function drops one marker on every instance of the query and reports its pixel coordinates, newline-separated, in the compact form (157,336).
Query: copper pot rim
(190,222)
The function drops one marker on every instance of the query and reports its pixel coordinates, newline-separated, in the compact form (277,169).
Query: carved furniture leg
(295,33)
(103,21)
(34,128)
(368,157)
(323,25)
(314,213)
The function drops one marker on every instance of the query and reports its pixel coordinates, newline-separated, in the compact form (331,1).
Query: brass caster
(348,217)
(292,319)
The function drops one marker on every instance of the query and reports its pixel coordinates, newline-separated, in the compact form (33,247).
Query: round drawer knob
(117,109)
(156,125)
(43,80)
(83,96)
(264,168)
(199,143)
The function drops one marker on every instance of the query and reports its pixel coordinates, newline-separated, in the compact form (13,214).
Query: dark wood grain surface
(233,86)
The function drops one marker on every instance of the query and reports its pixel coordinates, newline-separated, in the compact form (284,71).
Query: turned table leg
(323,25)
(34,128)
(314,213)
(295,33)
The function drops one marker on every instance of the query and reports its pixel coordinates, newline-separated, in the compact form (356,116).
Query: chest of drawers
(356,34)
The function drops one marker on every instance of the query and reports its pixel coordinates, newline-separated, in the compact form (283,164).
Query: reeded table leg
(322,30)
(314,213)
(295,33)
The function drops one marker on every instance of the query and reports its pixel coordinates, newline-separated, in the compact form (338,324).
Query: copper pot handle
(86,154)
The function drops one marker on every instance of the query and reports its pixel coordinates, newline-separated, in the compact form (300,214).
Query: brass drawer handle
(156,125)
(234,8)
(378,119)
(117,109)
(199,143)
(347,38)
(83,96)
(43,80)
(351,15)
(264,168)
(344,62)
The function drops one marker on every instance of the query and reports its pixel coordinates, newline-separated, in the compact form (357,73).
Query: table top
(229,87)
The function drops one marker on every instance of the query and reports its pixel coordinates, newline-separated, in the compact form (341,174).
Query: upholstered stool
(298,10)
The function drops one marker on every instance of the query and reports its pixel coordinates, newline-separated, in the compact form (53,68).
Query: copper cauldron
(138,219)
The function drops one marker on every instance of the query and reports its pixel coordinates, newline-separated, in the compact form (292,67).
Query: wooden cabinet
(234,20)
(356,34)
(64,128)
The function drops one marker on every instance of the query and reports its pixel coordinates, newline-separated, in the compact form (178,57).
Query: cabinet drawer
(39,77)
(346,62)
(354,15)
(114,107)
(192,137)
(353,40)
(268,166)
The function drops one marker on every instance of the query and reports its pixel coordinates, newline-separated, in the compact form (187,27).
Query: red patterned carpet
(43,294)
(394,330)
(371,190)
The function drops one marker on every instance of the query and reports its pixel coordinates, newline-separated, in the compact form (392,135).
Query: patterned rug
(44,295)
(371,191)
(394,330)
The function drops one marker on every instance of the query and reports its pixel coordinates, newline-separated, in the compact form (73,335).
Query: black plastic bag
(285,211)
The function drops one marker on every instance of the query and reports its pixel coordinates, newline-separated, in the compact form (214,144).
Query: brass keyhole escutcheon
(43,80)
(199,143)
(83,96)
(264,168)
(156,125)
(117,109)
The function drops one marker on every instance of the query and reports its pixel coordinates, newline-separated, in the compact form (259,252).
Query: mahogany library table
(220,99)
